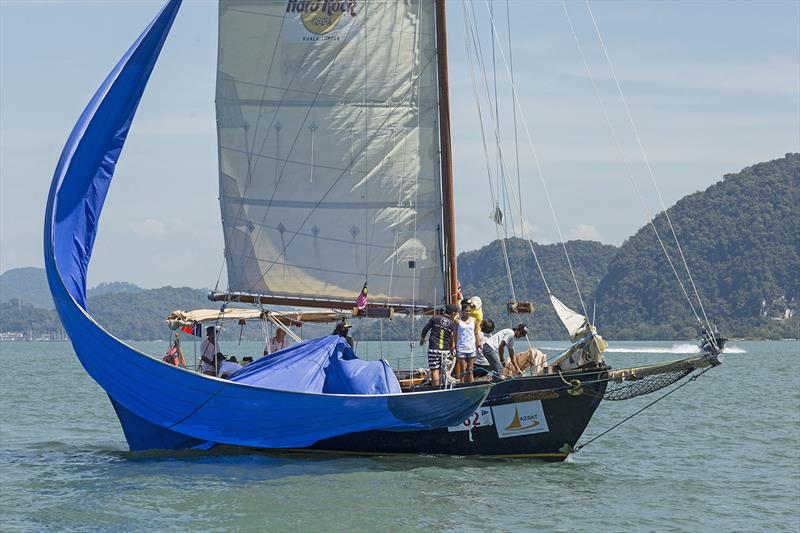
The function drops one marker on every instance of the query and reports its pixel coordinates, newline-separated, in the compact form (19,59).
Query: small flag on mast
(361,301)
(196,330)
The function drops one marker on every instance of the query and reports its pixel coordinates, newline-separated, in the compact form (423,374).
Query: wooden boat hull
(565,419)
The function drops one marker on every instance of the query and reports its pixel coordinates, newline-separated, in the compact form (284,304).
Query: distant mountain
(113,287)
(28,284)
(741,239)
(140,315)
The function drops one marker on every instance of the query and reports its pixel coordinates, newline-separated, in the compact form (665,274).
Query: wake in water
(684,348)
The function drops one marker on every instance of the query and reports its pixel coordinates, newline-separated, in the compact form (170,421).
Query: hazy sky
(713,87)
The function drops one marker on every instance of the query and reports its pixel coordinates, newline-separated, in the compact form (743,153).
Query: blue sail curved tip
(90,155)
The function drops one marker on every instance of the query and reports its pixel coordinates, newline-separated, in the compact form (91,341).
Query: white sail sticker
(481,417)
(524,418)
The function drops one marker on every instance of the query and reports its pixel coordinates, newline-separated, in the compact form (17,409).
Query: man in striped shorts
(443,330)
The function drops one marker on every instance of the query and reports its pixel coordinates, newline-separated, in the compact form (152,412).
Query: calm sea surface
(722,454)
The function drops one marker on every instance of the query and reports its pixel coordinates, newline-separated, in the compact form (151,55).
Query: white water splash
(675,348)
(683,348)
(733,349)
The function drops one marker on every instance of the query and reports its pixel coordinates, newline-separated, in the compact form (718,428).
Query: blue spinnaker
(159,405)
(327,365)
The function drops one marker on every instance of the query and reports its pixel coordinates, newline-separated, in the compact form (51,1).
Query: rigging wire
(525,289)
(626,163)
(416,81)
(539,170)
(615,426)
(649,169)
(470,32)
(523,225)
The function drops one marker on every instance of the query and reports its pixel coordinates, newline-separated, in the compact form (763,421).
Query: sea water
(721,454)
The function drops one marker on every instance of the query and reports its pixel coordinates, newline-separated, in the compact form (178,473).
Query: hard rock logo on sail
(321,16)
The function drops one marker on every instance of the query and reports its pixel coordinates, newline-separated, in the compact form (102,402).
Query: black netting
(624,390)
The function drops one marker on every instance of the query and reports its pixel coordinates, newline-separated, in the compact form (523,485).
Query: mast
(448,204)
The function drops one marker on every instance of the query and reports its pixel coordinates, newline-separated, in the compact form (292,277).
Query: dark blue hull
(567,416)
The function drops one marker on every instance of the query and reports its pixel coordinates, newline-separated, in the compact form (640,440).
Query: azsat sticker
(523,418)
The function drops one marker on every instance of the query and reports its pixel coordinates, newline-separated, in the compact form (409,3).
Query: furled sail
(575,323)
(329,150)
(588,347)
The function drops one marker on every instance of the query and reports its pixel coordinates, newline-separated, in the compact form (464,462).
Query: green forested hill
(482,272)
(27,284)
(741,238)
(140,315)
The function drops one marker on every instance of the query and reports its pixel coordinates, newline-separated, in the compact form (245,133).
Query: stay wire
(503,245)
(523,226)
(540,173)
(615,426)
(647,164)
(626,163)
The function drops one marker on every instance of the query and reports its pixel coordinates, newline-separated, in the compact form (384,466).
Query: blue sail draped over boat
(327,365)
(162,406)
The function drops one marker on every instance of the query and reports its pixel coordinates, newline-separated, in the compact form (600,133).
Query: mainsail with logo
(328,132)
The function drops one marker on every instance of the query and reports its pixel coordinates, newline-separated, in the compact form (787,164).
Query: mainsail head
(329,150)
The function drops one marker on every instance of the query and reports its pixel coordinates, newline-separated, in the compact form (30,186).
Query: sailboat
(335,180)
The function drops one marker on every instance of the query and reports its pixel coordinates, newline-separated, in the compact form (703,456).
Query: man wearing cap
(342,329)
(443,331)
(495,345)
(209,351)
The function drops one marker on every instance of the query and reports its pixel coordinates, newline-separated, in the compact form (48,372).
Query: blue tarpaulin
(327,365)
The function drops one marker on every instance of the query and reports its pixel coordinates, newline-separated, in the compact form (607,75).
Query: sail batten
(329,154)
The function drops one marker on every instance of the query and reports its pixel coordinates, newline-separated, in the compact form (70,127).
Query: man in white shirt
(494,347)
(227,367)
(209,351)
(278,342)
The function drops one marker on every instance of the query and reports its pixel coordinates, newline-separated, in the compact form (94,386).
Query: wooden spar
(448,204)
(380,310)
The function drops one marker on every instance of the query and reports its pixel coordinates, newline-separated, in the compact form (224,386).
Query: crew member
(209,351)
(278,342)
(495,346)
(475,308)
(482,367)
(342,329)
(443,331)
(466,347)
(227,366)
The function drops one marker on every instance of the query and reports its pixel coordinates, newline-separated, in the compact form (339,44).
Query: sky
(712,87)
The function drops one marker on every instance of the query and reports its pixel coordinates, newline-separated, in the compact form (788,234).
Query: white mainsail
(329,150)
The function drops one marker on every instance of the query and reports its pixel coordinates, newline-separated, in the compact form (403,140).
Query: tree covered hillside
(140,315)
(741,239)
(482,272)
